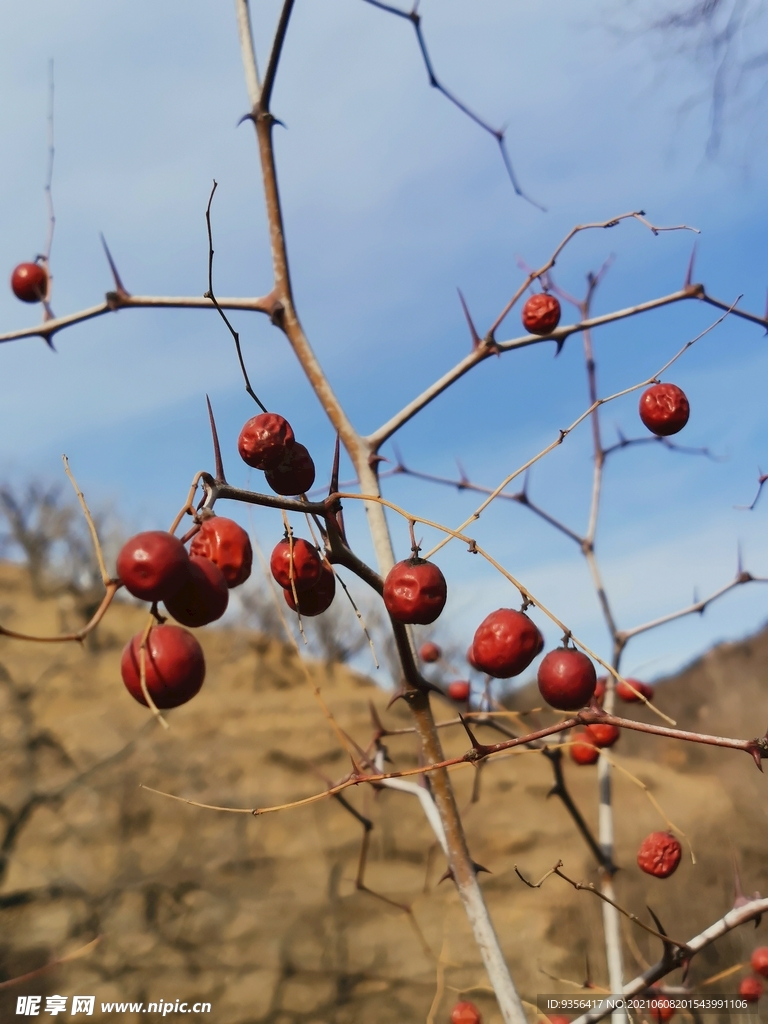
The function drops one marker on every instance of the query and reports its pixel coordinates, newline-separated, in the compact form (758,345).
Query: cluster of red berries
(267,442)
(664,408)
(751,987)
(304,576)
(29,282)
(194,587)
(585,742)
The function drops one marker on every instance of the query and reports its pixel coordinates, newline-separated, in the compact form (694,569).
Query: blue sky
(392,200)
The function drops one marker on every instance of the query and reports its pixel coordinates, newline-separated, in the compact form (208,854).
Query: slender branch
(697,607)
(497,133)
(81,634)
(274,57)
(115,301)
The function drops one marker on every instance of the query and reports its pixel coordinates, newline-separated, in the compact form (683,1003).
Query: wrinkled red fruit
(750,988)
(295,474)
(664,409)
(430,652)
(175,667)
(465,1013)
(759,961)
(625,693)
(153,565)
(307,564)
(204,596)
(227,545)
(265,440)
(505,643)
(659,854)
(567,679)
(415,591)
(317,599)
(541,313)
(29,282)
(602,734)
(586,751)
(459,690)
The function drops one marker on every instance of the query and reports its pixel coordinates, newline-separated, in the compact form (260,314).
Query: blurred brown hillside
(261,916)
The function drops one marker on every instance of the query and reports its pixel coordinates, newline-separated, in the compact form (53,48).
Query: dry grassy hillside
(260,916)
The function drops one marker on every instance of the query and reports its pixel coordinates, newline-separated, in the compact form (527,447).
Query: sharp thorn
(691,262)
(119,286)
(220,478)
(334,485)
(472,331)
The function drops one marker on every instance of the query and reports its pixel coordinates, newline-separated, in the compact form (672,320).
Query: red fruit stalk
(204,596)
(317,599)
(567,679)
(29,282)
(541,313)
(265,440)
(153,565)
(227,545)
(664,409)
(296,564)
(659,854)
(175,666)
(415,591)
(505,643)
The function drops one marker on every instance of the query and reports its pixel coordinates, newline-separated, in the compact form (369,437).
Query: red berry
(471,659)
(465,1013)
(174,665)
(227,545)
(759,961)
(153,565)
(625,693)
(664,409)
(602,734)
(415,591)
(459,691)
(307,564)
(295,474)
(567,679)
(659,854)
(29,282)
(265,440)
(317,599)
(600,686)
(505,643)
(663,1009)
(584,752)
(430,652)
(541,313)
(750,988)
(204,596)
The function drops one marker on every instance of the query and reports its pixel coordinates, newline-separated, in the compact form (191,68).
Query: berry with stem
(227,545)
(29,282)
(318,598)
(153,565)
(583,749)
(541,313)
(265,440)
(174,666)
(415,591)
(664,409)
(567,679)
(505,643)
(296,563)
(295,474)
